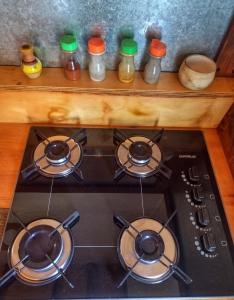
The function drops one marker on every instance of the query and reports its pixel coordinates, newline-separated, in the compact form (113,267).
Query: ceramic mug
(197,72)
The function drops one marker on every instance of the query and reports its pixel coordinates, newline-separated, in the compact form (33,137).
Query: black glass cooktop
(205,250)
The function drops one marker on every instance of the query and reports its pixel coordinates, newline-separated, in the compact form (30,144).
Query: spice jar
(157,50)
(31,65)
(97,68)
(126,67)
(70,57)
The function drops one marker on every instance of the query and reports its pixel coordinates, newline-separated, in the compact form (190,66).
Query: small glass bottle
(157,50)
(31,65)
(97,68)
(70,57)
(126,67)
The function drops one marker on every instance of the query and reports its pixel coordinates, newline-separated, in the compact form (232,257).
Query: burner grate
(139,156)
(151,262)
(57,156)
(41,251)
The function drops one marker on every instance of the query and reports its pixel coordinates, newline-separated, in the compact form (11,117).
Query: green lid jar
(128,47)
(69,43)
(70,57)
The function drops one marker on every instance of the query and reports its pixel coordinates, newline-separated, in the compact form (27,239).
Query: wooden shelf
(53,99)
(53,80)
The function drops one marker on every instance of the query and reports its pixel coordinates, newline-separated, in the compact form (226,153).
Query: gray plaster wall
(192,26)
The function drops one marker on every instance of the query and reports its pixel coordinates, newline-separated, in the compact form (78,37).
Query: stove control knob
(203,217)
(198,194)
(208,242)
(193,174)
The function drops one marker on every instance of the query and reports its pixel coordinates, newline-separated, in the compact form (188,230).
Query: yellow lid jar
(31,65)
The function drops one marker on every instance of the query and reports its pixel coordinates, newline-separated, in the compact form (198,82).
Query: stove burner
(140,152)
(34,241)
(57,152)
(139,156)
(38,244)
(57,156)
(149,246)
(145,250)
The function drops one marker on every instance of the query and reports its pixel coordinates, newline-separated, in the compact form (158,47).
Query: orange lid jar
(97,66)
(157,51)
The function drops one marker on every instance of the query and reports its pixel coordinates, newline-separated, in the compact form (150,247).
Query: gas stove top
(116,213)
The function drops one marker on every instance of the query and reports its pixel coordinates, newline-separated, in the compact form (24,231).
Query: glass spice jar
(97,67)
(157,51)
(126,67)
(70,57)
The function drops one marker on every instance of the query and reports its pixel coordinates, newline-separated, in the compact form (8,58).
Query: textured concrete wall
(195,26)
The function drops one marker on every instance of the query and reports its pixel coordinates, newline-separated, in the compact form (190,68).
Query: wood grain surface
(225,57)
(226,133)
(87,108)
(12,142)
(3,219)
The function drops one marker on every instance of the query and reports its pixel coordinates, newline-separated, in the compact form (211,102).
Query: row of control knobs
(202,214)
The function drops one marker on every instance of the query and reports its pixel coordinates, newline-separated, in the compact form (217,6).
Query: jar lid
(96,45)
(68,43)
(27,52)
(128,47)
(157,48)
(26,49)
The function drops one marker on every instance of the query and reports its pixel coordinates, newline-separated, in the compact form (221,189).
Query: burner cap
(140,152)
(57,152)
(149,246)
(37,244)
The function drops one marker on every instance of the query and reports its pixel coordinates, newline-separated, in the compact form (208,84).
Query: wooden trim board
(226,133)
(225,57)
(93,109)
